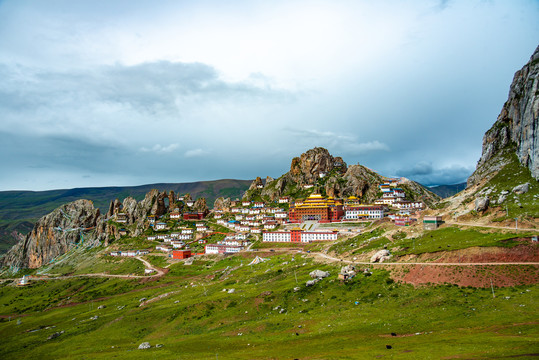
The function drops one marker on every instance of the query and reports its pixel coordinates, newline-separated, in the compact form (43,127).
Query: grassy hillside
(264,318)
(20,209)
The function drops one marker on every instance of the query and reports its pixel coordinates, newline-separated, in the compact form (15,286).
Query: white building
(299,235)
(160,226)
(222,249)
(364,212)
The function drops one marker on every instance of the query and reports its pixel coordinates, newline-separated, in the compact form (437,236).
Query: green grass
(452,238)
(198,320)
(155,260)
(363,240)
(511,175)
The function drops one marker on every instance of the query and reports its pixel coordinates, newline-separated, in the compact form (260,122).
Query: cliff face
(516,125)
(79,223)
(56,233)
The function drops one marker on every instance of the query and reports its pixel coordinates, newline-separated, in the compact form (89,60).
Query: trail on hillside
(451,222)
(334,259)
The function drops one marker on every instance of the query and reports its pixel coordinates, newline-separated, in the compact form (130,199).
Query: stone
(319,274)
(231,291)
(521,189)
(101,307)
(144,345)
(380,256)
(482,203)
(311,282)
(55,335)
(142,299)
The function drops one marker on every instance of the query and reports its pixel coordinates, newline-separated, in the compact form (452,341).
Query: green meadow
(270,314)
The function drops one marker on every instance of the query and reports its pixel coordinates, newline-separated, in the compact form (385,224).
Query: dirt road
(331,258)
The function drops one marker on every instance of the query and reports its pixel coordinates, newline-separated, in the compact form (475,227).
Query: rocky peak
(200,205)
(314,163)
(222,204)
(516,125)
(256,184)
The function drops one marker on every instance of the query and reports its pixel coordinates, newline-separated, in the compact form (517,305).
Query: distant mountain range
(446,191)
(19,210)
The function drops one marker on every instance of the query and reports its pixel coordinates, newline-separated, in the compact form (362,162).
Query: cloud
(195,153)
(429,175)
(337,142)
(157,148)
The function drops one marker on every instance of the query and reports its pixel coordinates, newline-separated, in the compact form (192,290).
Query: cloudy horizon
(123,93)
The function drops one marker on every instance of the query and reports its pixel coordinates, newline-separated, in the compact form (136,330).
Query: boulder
(319,274)
(144,345)
(311,282)
(482,203)
(522,188)
(381,256)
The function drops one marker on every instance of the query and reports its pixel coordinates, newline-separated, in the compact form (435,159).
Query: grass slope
(264,318)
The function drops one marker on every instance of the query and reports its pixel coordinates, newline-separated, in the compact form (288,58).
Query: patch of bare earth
(477,275)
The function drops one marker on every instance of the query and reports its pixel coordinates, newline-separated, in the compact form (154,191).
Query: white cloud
(195,153)
(160,149)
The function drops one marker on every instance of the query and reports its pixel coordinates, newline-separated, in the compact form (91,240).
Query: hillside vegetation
(192,316)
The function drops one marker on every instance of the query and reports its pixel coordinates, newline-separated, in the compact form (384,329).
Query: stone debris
(312,282)
(101,307)
(231,291)
(55,335)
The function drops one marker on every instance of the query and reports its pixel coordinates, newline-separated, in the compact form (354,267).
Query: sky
(118,93)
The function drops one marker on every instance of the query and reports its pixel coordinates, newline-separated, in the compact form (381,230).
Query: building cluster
(231,244)
(252,217)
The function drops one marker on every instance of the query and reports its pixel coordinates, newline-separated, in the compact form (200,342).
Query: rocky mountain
(58,232)
(318,170)
(516,129)
(80,223)
(20,210)
(446,191)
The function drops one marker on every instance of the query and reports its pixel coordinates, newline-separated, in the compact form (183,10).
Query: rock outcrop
(200,205)
(222,204)
(79,223)
(56,233)
(517,125)
(313,164)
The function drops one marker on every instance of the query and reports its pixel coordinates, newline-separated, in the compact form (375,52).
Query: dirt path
(451,222)
(331,258)
(158,271)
